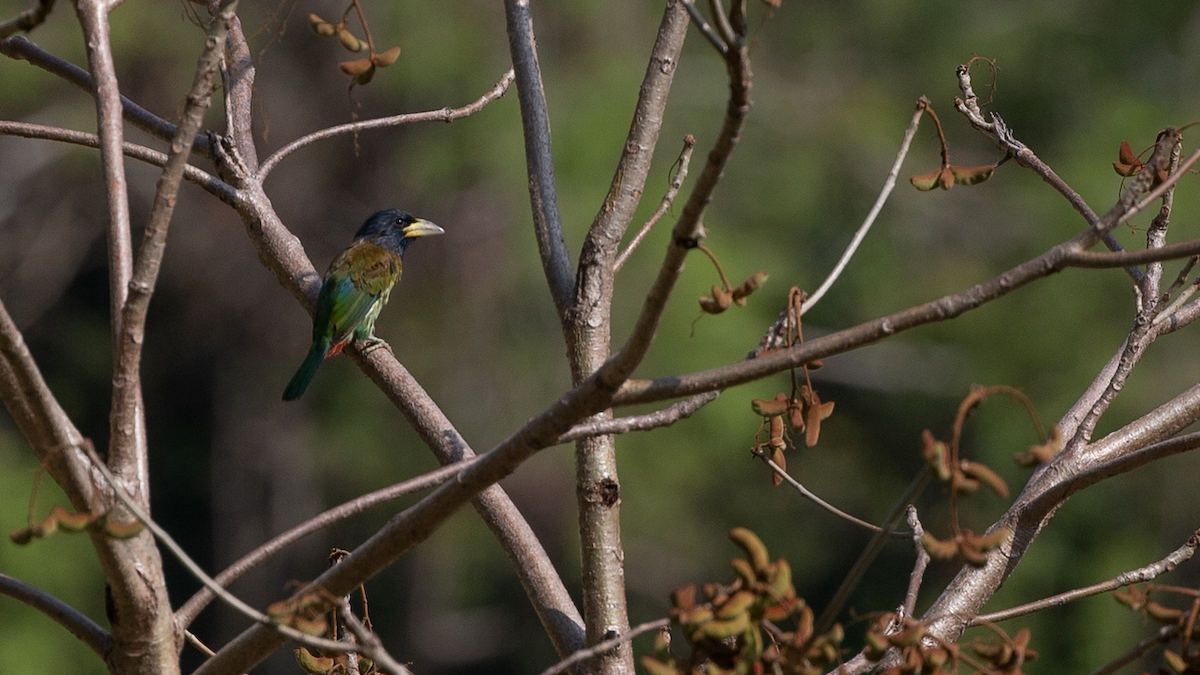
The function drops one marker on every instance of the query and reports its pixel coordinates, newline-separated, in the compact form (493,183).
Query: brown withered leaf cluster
(922,654)
(725,626)
(62,520)
(363,69)
(1183,653)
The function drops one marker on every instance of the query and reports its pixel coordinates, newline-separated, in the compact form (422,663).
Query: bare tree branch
(587,326)
(443,115)
(198,572)
(1155,569)
(908,610)
(888,184)
(535,120)
(607,645)
(210,183)
(18,47)
(93,17)
(657,419)
(78,624)
(187,613)
(27,20)
(684,161)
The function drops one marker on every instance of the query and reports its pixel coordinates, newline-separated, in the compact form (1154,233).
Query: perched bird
(356,287)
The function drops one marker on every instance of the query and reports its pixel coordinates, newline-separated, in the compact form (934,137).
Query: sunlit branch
(442,115)
(685,159)
(601,647)
(655,420)
(888,184)
(187,613)
(210,183)
(196,571)
(1155,569)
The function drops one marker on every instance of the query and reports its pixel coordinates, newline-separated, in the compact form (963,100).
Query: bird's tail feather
(295,388)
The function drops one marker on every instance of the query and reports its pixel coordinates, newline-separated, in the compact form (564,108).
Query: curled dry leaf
(357,67)
(386,58)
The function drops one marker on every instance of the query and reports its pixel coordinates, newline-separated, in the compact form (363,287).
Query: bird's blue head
(393,229)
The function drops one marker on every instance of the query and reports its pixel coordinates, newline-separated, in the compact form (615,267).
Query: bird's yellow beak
(421,228)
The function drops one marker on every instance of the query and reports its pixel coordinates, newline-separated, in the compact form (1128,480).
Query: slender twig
(655,420)
(888,184)
(688,229)
(685,159)
(535,122)
(1170,562)
(1066,254)
(128,444)
(368,643)
(1026,158)
(702,25)
(871,551)
(27,20)
(209,182)
(196,571)
(93,17)
(18,47)
(190,609)
(442,115)
(1184,272)
(908,610)
(89,632)
(724,28)
(1164,635)
(200,646)
(601,647)
(1167,312)
(811,496)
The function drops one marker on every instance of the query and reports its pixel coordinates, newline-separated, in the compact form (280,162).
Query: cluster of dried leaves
(801,411)
(920,653)
(732,630)
(362,70)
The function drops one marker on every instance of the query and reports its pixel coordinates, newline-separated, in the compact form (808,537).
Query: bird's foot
(372,343)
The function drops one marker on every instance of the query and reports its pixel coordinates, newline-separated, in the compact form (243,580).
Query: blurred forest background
(835,86)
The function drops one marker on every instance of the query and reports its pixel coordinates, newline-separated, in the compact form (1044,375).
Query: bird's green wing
(355,289)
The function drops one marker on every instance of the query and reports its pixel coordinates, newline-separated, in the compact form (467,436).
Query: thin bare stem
(825,621)
(209,182)
(190,609)
(442,115)
(601,647)
(908,610)
(655,420)
(78,624)
(703,26)
(1164,635)
(368,643)
(93,17)
(27,20)
(888,184)
(196,571)
(1151,571)
(811,496)
(535,121)
(18,47)
(685,159)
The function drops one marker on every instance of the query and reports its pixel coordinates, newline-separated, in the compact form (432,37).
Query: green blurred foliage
(835,84)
